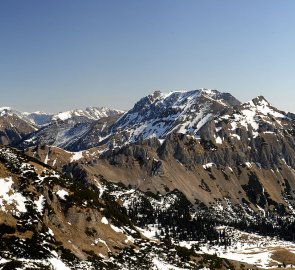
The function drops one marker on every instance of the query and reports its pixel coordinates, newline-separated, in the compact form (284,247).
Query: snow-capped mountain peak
(159,114)
(250,119)
(262,107)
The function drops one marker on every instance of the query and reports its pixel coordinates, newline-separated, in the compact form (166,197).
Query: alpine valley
(184,180)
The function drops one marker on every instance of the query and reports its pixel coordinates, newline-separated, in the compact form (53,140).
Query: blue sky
(62,54)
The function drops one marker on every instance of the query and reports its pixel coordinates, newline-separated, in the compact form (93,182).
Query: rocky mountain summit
(159,114)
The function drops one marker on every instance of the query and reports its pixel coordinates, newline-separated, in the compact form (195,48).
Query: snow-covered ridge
(92,113)
(261,106)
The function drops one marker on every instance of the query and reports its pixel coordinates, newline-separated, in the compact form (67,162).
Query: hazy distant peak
(5,108)
(92,113)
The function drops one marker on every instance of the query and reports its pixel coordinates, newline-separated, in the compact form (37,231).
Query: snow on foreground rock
(8,197)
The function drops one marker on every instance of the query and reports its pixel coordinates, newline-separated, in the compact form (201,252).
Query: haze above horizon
(61,55)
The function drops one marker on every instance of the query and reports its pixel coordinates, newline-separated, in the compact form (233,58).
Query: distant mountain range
(22,124)
(41,118)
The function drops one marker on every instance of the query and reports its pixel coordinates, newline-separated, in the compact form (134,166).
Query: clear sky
(61,54)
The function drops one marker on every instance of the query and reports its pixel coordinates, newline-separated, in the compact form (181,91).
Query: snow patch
(46,158)
(57,264)
(246,247)
(164,265)
(150,232)
(62,193)
(8,196)
(76,156)
(218,140)
(248,164)
(236,136)
(54,162)
(104,220)
(116,229)
(208,165)
(40,204)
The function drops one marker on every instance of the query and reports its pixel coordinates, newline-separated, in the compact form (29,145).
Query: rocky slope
(241,159)
(24,129)
(258,133)
(49,221)
(246,154)
(191,203)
